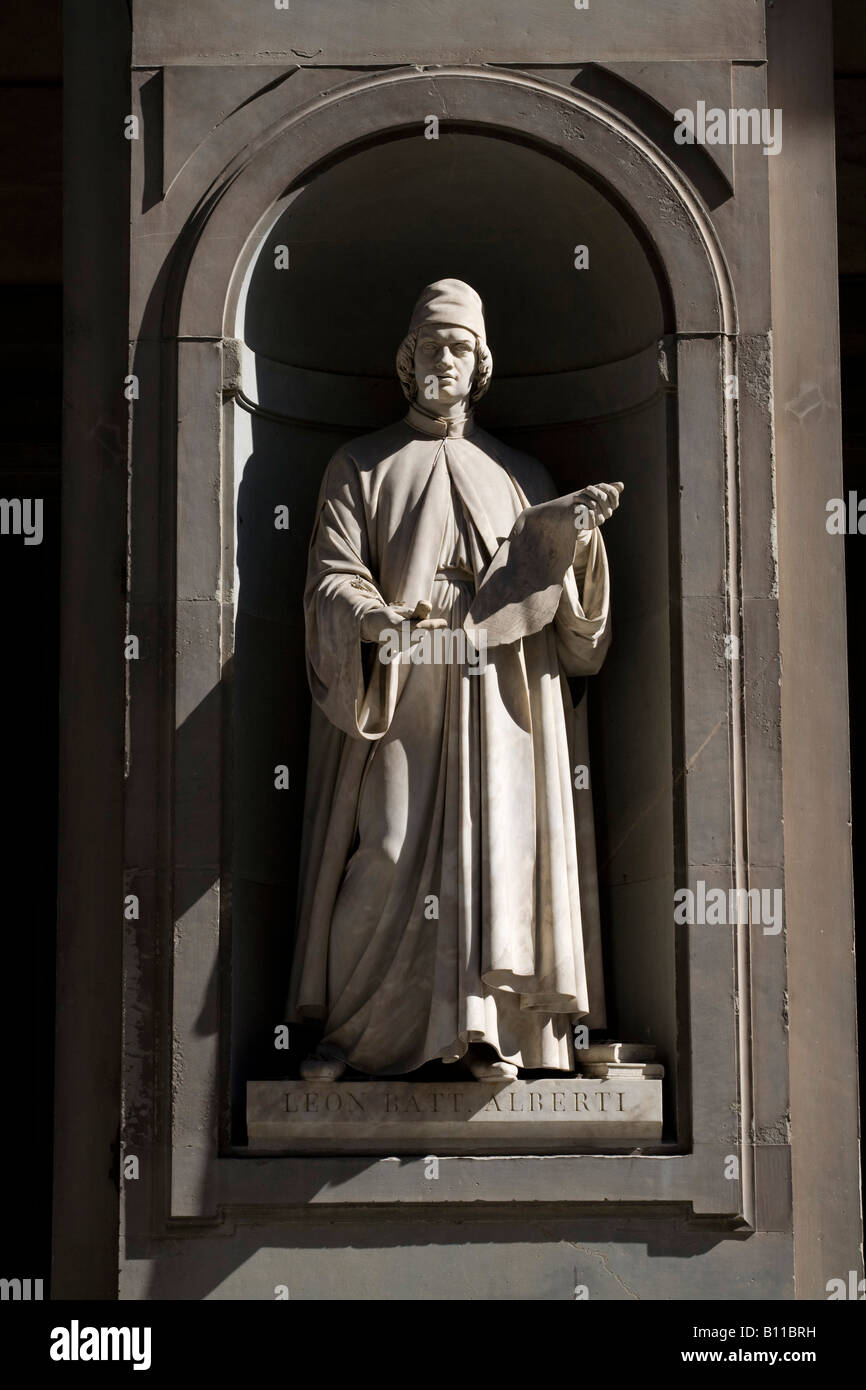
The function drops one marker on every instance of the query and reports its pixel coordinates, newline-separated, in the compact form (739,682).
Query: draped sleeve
(582,620)
(341,588)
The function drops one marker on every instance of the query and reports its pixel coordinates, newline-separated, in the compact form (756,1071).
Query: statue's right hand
(380,623)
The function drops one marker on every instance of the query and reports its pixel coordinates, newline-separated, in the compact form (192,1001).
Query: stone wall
(700,313)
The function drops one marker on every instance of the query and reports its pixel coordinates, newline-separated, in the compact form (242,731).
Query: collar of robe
(437,425)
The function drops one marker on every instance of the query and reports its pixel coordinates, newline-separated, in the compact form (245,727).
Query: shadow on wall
(429,1255)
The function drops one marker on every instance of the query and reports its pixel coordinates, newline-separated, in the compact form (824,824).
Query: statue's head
(444,357)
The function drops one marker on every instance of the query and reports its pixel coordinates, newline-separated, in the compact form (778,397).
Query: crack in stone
(587,1250)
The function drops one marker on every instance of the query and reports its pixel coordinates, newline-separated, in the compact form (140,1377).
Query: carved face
(444,364)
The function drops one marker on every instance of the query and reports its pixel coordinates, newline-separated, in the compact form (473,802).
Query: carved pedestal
(557,1115)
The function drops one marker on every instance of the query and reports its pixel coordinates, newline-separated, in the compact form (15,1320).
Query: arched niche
(682,691)
(323,305)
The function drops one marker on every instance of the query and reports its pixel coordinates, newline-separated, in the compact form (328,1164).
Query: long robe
(441,901)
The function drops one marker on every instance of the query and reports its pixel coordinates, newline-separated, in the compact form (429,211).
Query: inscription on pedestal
(402,1116)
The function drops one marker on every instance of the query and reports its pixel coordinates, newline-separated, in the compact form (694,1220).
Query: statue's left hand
(594,505)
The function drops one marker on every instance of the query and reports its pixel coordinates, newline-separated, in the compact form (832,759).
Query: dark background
(31,375)
(30,462)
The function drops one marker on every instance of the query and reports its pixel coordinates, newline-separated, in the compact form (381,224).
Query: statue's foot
(317,1067)
(492,1069)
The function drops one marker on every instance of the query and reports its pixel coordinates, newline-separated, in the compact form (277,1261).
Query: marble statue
(447,904)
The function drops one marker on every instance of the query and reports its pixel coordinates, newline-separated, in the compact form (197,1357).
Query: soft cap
(450,301)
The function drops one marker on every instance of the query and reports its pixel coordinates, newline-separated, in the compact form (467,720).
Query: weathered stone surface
(816,802)
(221,31)
(472,1117)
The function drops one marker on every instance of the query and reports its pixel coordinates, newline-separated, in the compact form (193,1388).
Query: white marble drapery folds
(447,895)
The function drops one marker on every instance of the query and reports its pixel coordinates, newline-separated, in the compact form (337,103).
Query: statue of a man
(441,908)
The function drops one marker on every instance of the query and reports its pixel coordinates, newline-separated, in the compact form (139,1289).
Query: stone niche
(581,380)
(613,371)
